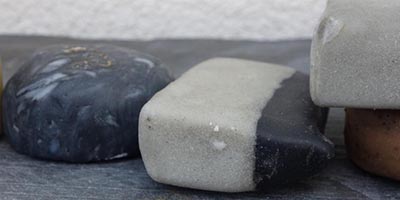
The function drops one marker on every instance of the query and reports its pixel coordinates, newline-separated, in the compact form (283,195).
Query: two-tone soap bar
(234,125)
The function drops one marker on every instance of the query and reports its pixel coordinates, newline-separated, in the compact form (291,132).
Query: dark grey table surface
(24,178)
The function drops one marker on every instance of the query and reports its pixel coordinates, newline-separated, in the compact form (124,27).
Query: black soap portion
(289,144)
(80,103)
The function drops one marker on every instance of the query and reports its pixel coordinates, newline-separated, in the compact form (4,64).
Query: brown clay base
(373,140)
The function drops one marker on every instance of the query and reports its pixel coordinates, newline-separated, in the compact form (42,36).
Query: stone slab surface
(24,178)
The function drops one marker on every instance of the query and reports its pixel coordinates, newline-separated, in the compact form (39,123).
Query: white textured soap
(355,58)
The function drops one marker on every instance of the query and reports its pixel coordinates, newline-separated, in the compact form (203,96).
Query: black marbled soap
(80,103)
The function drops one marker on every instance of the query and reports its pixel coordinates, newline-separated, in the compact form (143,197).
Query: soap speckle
(118,156)
(97,148)
(327,140)
(219,145)
(145,61)
(52,124)
(216,128)
(331,29)
(56,64)
(15,128)
(272,163)
(75,50)
(309,156)
(90,73)
(20,108)
(111,120)
(41,88)
(54,146)
(41,83)
(39,93)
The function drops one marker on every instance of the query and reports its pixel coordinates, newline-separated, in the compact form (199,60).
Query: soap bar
(1,96)
(355,59)
(233,125)
(80,103)
(373,140)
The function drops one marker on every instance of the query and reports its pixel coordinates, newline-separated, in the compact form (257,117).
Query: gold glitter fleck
(75,50)
(107,63)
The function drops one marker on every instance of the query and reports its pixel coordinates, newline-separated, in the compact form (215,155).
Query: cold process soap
(234,125)
(80,103)
(355,56)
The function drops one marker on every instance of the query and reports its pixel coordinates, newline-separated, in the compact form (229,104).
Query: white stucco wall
(147,19)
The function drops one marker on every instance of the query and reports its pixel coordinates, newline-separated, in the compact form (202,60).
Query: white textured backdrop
(148,19)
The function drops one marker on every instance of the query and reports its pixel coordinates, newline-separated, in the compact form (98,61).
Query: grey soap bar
(233,125)
(356,55)
(80,103)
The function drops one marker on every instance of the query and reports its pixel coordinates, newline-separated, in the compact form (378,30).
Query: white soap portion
(199,132)
(355,56)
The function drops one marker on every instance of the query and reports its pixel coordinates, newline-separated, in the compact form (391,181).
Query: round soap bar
(373,140)
(80,103)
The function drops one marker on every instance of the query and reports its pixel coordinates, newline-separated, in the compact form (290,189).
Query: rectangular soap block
(355,56)
(233,125)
